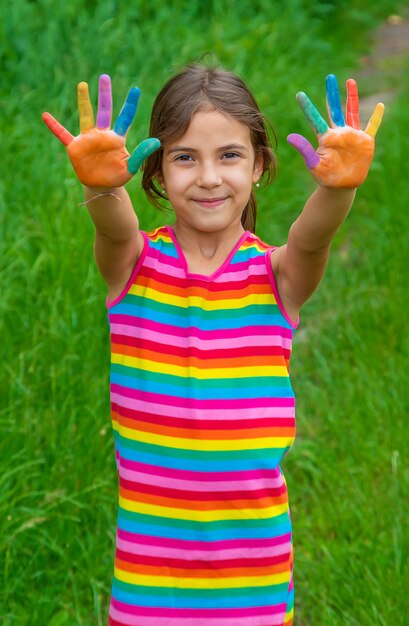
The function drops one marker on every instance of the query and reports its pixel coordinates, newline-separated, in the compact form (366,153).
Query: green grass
(348,471)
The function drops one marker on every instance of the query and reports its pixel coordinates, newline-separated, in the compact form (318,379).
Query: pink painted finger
(57,129)
(306,150)
(104,114)
(352,108)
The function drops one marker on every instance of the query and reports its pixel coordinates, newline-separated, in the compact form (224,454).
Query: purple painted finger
(306,150)
(104,114)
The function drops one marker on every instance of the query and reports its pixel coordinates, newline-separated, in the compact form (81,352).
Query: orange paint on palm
(100,158)
(345,156)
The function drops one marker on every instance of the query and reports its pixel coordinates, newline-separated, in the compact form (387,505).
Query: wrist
(330,189)
(95,194)
(340,194)
(98,190)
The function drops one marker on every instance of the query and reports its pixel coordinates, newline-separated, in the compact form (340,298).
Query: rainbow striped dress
(203,412)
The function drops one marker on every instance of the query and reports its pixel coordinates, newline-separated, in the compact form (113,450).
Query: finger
(57,129)
(352,108)
(334,101)
(104,114)
(315,119)
(141,152)
(376,119)
(128,112)
(85,112)
(306,150)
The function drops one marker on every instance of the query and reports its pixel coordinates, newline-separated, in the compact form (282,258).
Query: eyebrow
(232,146)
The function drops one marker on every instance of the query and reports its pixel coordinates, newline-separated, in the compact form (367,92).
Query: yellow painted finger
(85,112)
(376,119)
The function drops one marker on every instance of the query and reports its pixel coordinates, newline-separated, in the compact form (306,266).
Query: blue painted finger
(306,150)
(313,116)
(141,152)
(334,101)
(128,111)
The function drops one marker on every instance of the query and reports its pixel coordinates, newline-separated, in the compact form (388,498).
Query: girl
(201,316)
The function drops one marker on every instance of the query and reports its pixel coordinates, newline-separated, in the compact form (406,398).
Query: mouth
(209,202)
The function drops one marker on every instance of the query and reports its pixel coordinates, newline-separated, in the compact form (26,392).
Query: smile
(209,202)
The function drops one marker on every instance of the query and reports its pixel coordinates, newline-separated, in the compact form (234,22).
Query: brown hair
(196,88)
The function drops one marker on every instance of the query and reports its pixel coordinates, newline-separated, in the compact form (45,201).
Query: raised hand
(344,152)
(98,154)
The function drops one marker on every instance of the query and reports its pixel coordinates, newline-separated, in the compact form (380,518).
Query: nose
(209,175)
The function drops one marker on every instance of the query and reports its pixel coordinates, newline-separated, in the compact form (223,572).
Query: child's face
(208,172)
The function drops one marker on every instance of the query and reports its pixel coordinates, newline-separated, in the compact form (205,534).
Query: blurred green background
(348,472)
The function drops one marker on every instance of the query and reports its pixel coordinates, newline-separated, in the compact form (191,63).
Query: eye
(183,157)
(231,155)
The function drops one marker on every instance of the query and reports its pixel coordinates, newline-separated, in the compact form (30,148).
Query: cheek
(177,178)
(241,178)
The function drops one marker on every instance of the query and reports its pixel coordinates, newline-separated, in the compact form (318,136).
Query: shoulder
(253,247)
(253,241)
(160,233)
(258,247)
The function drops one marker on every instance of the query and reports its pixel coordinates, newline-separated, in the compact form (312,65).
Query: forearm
(300,265)
(117,239)
(323,214)
(112,212)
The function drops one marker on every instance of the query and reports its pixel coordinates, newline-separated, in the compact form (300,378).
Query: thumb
(303,146)
(141,152)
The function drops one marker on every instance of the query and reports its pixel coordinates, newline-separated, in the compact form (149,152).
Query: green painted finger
(311,113)
(141,152)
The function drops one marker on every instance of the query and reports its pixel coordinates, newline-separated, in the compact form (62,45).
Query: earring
(257,184)
(163,190)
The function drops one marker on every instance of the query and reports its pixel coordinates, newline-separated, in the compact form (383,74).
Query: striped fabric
(203,412)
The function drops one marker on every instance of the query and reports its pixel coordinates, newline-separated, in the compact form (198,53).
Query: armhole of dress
(134,272)
(280,305)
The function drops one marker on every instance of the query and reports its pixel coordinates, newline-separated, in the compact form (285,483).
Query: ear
(258,167)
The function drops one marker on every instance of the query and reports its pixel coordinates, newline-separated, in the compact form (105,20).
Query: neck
(206,251)
(207,244)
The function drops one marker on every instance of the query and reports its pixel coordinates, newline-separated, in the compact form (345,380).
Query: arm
(118,243)
(339,165)
(103,165)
